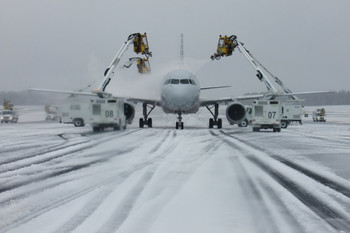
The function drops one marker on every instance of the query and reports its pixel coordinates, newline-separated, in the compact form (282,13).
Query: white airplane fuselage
(180,92)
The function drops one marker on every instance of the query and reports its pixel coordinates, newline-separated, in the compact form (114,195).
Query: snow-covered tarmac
(58,178)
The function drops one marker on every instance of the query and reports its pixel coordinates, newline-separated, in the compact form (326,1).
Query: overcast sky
(67,44)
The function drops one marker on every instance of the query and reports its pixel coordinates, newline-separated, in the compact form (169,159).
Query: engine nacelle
(129,112)
(235,113)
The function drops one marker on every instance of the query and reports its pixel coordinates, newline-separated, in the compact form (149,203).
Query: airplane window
(184,81)
(175,81)
(192,82)
(167,82)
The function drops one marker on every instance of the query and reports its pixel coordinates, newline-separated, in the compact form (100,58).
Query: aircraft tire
(219,123)
(141,123)
(211,123)
(149,122)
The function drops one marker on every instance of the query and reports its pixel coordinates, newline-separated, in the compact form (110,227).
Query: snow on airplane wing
(155,102)
(74,93)
(226,100)
(213,87)
(205,102)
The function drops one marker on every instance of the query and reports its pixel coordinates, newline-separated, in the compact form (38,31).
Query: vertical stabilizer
(182,49)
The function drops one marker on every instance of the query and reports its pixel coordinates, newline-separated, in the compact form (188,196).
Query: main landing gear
(214,121)
(145,120)
(179,123)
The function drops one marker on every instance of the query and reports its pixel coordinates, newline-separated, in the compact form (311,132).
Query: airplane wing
(154,102)
(63,92)
(205,102)
(99,94)
(276,94)
(213,87)
(93,94)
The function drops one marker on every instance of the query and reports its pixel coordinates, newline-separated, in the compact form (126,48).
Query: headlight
(10,118)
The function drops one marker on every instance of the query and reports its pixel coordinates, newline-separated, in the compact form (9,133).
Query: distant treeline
(33,98)
(336,98)
(28,98)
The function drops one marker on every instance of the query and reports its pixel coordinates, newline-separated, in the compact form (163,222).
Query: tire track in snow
(49,157)
(338,187)
(340,141)
(66,144)
(54,173)
(98,199)
(124,209)
(109,185)
(332,216)
(59,172)
(46,151)
(64,199)
(262,213)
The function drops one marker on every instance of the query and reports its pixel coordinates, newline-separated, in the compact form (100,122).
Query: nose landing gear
(179,123)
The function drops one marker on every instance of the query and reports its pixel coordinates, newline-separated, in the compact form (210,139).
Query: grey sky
(61,44)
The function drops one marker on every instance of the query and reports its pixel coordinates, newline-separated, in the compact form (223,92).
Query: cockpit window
(167,82)
(184,81)
(175,81)
(192,82)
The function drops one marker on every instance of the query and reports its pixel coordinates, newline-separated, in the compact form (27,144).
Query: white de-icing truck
(99,113)
(291,113)
(266,114)
(99,108)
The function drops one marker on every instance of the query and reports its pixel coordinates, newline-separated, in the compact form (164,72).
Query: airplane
(180,94)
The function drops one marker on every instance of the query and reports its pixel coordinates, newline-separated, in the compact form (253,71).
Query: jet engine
(235,113)
(129,112)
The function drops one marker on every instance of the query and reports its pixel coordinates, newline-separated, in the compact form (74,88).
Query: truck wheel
(243,123)
(284,124)
(95,128)
(78,122)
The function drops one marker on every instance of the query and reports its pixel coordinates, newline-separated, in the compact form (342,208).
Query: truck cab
(291,113)
(8,116)
(266,114)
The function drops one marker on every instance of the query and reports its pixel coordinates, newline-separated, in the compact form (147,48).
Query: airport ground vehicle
(99,113)
(99,108)
(8,116)
(292,110)
(266,114)
(319,115)
(51,113)
(291,113)
(248,117)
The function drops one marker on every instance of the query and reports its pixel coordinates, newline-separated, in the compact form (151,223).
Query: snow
(59,178)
